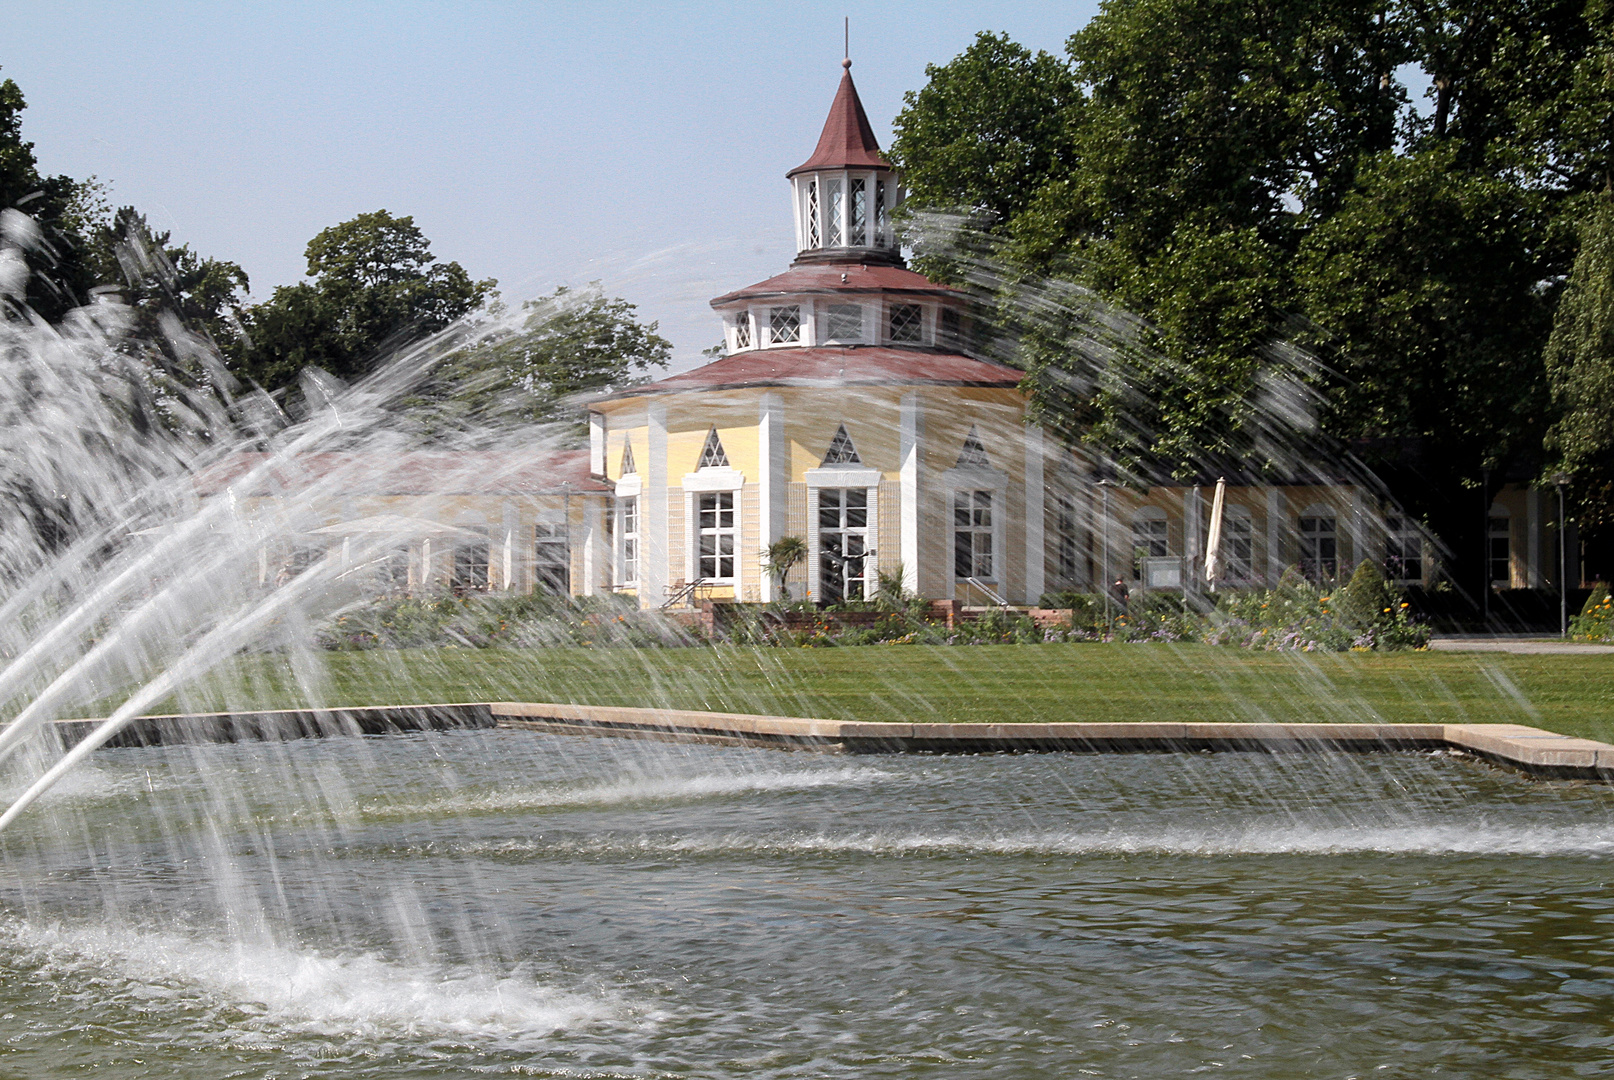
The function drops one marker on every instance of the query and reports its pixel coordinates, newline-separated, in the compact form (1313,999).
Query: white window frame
(1232,570)
(829,325)
(841,476)
(1317,511)
(707,481)
(799,339)
(979,478)
(628,547)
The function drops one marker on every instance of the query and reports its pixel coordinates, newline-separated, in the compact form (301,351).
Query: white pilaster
(1036,517)
(1192,536)
(773,479)
(910,451)
(596,443)
(654,543)
(593,558)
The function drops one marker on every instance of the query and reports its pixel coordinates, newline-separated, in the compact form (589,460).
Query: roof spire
(846,63)
(848,139)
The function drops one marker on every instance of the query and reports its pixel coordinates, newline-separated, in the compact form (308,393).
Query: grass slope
(998,684)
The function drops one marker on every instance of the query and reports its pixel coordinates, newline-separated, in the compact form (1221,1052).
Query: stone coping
(1532,750)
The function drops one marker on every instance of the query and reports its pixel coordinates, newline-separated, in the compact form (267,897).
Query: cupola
(846,192)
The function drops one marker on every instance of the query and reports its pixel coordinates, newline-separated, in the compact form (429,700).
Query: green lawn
(1003,683)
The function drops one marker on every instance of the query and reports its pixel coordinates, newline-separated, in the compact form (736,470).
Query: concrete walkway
(1499,643)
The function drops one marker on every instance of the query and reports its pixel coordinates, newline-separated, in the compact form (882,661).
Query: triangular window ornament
(841,451)
(628,467)
(712,455)
(973,453)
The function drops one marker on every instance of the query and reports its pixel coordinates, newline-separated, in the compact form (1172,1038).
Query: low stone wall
(1532,750)
(283,724)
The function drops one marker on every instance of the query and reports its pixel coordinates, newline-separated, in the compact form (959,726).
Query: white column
(592,558)
(1192,504)
(773,481)
(1532,503)
(596,443)
(512,530)
(910,449)
(653,539)
(1275,512)
(1036,517)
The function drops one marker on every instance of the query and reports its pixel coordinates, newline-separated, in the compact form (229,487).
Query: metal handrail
(989,591)
(677,594)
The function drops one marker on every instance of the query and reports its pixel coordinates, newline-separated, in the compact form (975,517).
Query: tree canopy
(375,286)
(1394,186)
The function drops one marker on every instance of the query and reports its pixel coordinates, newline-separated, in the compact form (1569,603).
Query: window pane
(832,217)
(963,555)
(784,323)
(845,322)
(905,322)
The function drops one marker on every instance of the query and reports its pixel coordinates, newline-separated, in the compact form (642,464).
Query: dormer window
(860,213)
(784,324)
(907,321)
(742,331)
(845,322)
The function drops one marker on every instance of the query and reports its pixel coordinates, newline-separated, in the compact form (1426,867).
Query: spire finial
(846,62)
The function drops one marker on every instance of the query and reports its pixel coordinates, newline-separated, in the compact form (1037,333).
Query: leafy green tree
(374,287)
(987,130)
(1580,365)
(570,344)
(59,207)
(157,278)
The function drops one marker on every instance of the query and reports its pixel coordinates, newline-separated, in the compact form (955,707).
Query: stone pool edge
(1531,750)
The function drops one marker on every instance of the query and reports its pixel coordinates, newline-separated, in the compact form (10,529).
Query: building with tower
(846,413)
(850,414)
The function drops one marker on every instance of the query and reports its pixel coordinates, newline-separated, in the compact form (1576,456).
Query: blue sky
(643,145)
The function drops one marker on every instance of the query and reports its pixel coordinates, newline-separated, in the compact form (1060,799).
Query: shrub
(1596,620)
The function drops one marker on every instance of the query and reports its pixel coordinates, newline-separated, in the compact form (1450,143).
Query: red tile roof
(826,278)
(834,366)
(847,140)
(423,472)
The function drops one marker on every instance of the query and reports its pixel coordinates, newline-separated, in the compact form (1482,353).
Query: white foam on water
(1425,839)
(634,790)
(296,991)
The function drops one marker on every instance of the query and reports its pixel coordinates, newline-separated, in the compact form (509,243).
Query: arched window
(1319,543)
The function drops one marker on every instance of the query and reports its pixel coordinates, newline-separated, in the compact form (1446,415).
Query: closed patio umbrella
(1213,544)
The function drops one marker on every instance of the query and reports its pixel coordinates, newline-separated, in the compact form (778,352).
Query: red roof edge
(847,140)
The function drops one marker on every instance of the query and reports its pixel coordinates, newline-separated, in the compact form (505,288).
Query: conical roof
(847,141)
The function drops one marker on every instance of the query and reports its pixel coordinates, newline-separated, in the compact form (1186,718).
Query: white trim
(1036,522)
(912,433)
(843,477)
(692,534)
(629,486)
(654,557)
(772,481)
(980,478)
(596,443)
(714,478)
